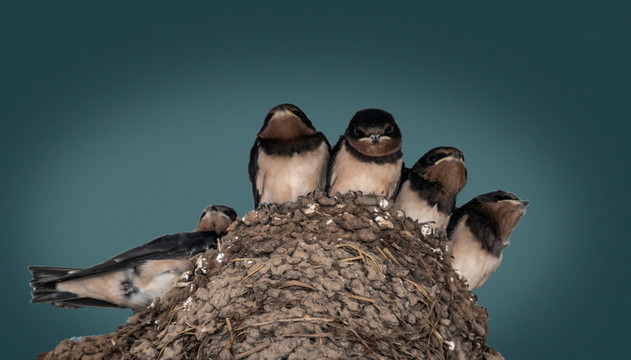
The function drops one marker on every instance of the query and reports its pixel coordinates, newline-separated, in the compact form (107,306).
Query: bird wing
(253,170)
(402,177)
(331,165)
(165,247)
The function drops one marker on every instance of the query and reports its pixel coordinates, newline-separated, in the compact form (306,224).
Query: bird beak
(452,157)
(283,112)
(375,138)
(525,203)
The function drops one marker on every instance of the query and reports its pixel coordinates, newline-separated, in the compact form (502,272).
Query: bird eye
(356,131)
(432,159)
(389,129)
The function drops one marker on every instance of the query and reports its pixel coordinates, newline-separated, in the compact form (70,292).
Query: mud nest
(323,277)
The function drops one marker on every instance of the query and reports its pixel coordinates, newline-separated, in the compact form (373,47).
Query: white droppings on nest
(461,276)
(220,257)
(192,287)
(383,223)
(437,251)
(199,264)
(427,230)
(187,303)
(451,345)
(375,209)
(311,208)
(328,222)
(383,203)
(185,276)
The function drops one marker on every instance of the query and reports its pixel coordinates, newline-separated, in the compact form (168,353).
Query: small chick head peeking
(216,218)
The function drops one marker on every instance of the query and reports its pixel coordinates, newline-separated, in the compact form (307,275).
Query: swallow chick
(216,218)
(480,230)
(135,277)
(367,157)
(429,189)
(289,157)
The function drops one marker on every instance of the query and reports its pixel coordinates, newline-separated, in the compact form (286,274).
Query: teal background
(121,121)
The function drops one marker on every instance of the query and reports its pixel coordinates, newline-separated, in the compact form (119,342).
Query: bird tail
(44,283)
(48,275)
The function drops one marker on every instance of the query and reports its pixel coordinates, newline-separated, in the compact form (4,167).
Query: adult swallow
(135,277)
(289,157)
(367,157)
(480,230)
(429,189)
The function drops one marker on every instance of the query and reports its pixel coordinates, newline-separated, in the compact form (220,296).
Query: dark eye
(388,129)
(432,159)
(357,132)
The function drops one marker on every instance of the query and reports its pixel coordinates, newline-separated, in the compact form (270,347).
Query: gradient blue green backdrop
(121,121)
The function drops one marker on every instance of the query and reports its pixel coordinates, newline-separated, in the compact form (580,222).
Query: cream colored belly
(103,287)
(152,279)
(470,259)
(419,209)
(283,178)
(350,174)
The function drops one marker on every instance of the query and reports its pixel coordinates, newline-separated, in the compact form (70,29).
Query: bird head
(374,132)
(444,165)
(216,218)
(286,122)
(504,210)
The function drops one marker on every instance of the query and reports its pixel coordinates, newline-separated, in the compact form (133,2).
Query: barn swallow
(135,277)
(216,218)
(367,157)
(289,157)
(429,189)
(480,230)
